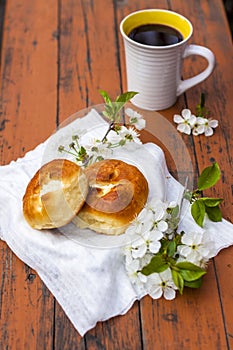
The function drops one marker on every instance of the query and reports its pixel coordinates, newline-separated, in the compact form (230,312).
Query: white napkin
(84,271)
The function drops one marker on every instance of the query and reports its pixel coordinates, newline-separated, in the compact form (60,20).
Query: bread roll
(55,194)
(117,193)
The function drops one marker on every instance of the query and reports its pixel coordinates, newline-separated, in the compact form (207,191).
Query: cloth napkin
(83,270)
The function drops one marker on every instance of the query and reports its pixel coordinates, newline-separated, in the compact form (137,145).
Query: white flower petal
(186,113)
(138,242)
(154,279)
(145,215)
(194,257)
(162,226)
(213,123)
(166,275)
(146,228)
(159,213)
(129,112)
(169,293)
(156,235)
(200,129)
(154,246)
(185,128)
(187,239)
(133,266)
(184,250)
(178,119)
(201,121)
(139,252)
(192,120)
(195,132)
(181,127)
(142,277)
(205,121)
(155,293)
(197,237)
(208,131)
(140,124)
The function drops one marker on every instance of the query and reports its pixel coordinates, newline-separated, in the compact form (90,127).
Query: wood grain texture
(88,55)
(55,57)
(201,333)
(211,32)
(28,106)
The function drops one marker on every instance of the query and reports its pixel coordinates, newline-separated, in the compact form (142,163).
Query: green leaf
(175,211)
(112,109)
(108,113)
(178,280)
(126,96)
(192,275)
(193,284)
(105,96)
(190,272)
(198,211)
(214,213)
(157,264)
(171,248)
(117,106)
(186,265)
(211,202)
(82,151)
(122,99)
(209,177)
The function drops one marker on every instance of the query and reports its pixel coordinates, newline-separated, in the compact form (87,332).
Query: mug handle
(201,51)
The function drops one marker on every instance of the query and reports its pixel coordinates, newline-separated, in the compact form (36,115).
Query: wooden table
(55,57)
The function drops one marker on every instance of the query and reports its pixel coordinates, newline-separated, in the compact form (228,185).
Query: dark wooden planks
(213,31)
(28,95)
(2,13)
(27,116)
(88,55)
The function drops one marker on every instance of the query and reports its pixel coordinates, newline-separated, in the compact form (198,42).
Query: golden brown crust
(55,194)
(118,192)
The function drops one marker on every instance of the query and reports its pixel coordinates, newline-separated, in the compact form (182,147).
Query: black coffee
(155,35)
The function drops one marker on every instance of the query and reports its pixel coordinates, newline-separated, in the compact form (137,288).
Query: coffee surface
(155,35)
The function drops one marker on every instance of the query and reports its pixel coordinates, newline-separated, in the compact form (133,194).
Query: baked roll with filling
(118,191)
(55,194)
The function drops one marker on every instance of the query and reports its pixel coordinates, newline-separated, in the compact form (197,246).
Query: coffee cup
(156,42)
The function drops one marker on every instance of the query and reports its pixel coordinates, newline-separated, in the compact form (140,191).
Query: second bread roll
(118,191)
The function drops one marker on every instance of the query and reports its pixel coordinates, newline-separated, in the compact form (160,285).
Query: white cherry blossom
(196,246)
(128,135)
(159,284)
(149,233)
(98,148)
(188,123)
(149,240)
(135,275)
(158,208)
(198,127)
(136,119)
(185,121)
(209,125)
(204,126)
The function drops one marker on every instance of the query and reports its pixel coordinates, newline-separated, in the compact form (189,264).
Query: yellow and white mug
(155,71)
